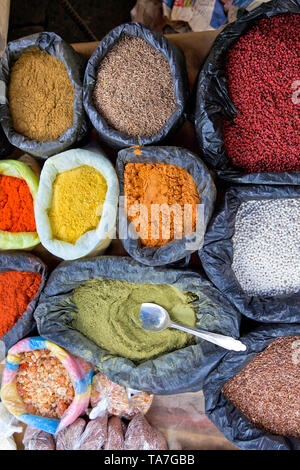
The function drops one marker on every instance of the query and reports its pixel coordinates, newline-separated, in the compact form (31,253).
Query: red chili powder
(261,69)
(16,205)
(17,289)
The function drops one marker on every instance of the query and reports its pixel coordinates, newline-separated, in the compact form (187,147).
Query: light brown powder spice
(166,185)
(41,96)
(134,90)
(267,390)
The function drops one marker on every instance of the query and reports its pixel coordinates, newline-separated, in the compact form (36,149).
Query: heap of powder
(78,197)
(262,70)
(17,290)
(41,96)
(266,391)
(158,183)
(266,249)
(108,313)
(134,91)
(16,205)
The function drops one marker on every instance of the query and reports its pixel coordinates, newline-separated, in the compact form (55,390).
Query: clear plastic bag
(35,439)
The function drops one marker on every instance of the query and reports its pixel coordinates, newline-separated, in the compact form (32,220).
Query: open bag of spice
(92,307)
(22,279)
(42,108)
(76,205)
(135,87)
(169,197)
(251,251)
(253,396)
(18,190)
(246,110)
(44,386)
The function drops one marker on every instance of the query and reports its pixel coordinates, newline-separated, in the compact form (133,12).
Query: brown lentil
(134,90)
(267,390)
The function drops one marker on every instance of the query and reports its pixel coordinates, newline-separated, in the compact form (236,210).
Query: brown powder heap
(267,390)
(41,96)
(134,90)
(159,183)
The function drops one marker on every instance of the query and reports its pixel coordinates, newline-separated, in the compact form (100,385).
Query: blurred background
(98,16)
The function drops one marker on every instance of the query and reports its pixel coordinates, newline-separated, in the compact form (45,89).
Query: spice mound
(41,96)
(262,69)
(78,197)
(134,91)
(108,314)
(44,384)
(266,250)
(17,290)
(266,391)
(148,186)
(16,205)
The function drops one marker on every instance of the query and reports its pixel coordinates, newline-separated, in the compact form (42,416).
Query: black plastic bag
(213,103)
(236,427)
(176,249)
(177,372)
(217,252)
(176,59)
(74,63)
(22,261)
(5,147)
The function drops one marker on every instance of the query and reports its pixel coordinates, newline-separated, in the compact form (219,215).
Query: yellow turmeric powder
(78,196)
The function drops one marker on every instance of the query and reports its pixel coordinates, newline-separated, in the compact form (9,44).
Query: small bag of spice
(42,69)
(44,386)
(18,190)
(76,205)
(169,200)
(253,396)
(22,278)
(251,251)
(246,114)
(135,87)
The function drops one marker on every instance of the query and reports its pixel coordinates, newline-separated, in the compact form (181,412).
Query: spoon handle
(226,342)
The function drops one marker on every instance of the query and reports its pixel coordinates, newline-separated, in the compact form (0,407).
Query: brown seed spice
(134,90)
(267,390)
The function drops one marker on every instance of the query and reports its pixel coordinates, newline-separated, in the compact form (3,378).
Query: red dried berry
(262,70)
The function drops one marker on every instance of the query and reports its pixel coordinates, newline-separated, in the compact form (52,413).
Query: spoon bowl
(155,318)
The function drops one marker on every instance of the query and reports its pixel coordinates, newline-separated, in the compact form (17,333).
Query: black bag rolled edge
(177,372)
(236,427)
(217,252)
(213,103)
(22,261)
(176,249)
(176,60)
(75,65)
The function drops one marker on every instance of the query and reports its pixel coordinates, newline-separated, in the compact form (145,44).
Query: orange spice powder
(159,183)
(16,205)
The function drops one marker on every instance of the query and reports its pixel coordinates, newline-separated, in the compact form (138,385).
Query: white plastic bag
(8,426)
(93,241)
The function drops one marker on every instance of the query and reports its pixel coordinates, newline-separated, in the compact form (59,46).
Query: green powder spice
(108,314)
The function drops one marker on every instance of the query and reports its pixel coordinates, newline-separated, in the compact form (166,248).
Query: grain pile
(267,390)
(262,69)
(266,248)
(134,91)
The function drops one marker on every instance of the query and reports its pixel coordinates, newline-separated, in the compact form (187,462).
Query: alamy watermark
(296,352)
(159,221)
(296,93)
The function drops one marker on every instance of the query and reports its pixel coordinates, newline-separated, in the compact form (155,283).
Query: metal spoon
(156,318)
